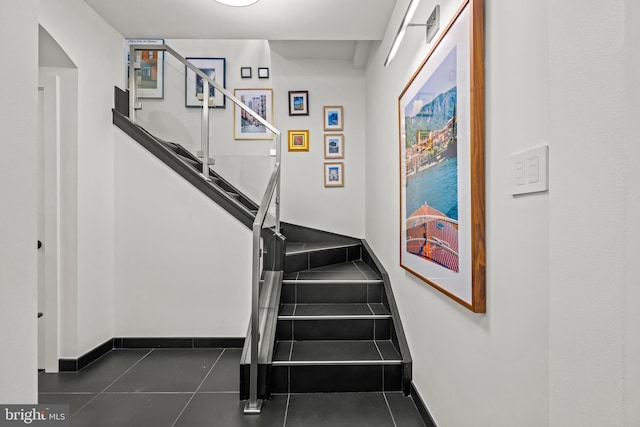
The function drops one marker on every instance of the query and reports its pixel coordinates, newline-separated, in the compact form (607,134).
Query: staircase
(329,319)
(334,330)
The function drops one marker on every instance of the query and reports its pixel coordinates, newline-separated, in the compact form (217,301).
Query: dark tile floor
(199,387)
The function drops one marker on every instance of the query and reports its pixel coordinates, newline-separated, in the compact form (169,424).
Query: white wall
(587,273)
(632,226)
(97,50)
(183,264)
(18,222)
(305,200)
(328,82)
(558,345)
(474,369)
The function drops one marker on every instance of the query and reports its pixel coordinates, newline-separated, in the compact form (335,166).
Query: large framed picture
(245,125)
(215,68)
(333,118)
(150,77)
(441,110)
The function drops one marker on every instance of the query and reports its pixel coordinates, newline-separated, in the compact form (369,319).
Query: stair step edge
(323,248)
(331,281)
(335,362)
(334,317)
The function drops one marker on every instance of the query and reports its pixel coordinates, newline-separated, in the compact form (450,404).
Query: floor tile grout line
(112,382)
(286,410)
(199,386)
(393,419)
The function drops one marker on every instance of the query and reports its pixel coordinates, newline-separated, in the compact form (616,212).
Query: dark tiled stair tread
(332,276)
(342,310)
(354,270)
(301,247)
(334,352)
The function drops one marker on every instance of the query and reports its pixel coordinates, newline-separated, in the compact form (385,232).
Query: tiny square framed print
(245,72)
(334,174)
(299,103)
(263,73)
(334,146)
(298,140)
(333,118)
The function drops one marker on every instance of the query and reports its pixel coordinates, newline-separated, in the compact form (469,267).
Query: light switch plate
(530,171)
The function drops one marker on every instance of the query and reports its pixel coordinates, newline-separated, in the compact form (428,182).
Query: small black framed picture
(299,103)
(263,73)
(245,72)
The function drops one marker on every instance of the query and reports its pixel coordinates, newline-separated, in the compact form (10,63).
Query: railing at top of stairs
(253,404)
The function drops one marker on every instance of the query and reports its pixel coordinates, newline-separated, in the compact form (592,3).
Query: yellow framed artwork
(298,140)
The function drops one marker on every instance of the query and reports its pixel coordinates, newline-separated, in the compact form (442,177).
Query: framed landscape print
(333,118)
(441,113)
(334,174)
(298,140)
(150,77)
(334,146)
(245,125)
(299,103)
(215,68)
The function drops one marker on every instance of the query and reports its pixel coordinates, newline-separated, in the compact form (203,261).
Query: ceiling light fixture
(237,3)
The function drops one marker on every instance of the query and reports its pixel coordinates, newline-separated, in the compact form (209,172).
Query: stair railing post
(205,128)
(133,87)
(278,159)
(254,405)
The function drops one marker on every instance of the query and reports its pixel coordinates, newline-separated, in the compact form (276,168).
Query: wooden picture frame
(214,68)
(298,140)
(333,118)
(333,146)
(334,174)
(442,195)
(245,125)
(298,103)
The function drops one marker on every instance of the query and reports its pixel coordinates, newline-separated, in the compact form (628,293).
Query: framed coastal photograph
(245,125)
(333,118)
(334,174)
(299,103)
(150,77)
(441,110)
(298,140)
(333,146)
(215,69)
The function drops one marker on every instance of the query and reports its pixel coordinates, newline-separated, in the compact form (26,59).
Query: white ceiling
(303,28)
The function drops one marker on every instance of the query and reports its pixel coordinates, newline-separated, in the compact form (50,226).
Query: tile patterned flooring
(199,387)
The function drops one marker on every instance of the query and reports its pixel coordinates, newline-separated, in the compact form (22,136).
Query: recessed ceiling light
(237,2)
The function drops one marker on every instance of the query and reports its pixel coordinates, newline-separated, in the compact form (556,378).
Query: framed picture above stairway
(215,68)
(442,206)
(150,77)
(245,125)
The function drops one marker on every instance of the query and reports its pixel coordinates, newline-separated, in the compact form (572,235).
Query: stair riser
(336,378)
(331,293)
(334,329)
(308,260)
